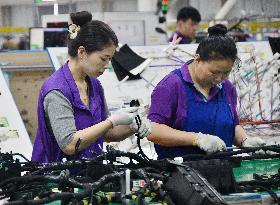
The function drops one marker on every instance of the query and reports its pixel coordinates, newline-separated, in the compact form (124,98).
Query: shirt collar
(187,78)
(186,73)
(185,40)
(73,87)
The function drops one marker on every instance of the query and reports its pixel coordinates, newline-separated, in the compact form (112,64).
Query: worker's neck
(196,80)
(76,70)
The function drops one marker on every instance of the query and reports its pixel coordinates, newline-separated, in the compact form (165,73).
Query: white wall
(207,8)
(147,5)
(6,15)
(22,16)
(150,22)
(121,5)
(1,21)
(92,6)
(252,7)
(107,5)
(26,15)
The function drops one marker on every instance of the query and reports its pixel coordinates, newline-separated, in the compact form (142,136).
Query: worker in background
(188,19)
(73,118)
(193,109)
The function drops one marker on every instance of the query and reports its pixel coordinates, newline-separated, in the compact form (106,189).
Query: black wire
(64,175)
(162,194)
(224,154)
(88,189)
(152,169)
(63,178)
(112,155)
(140,196)
(110,148)
(263,182)
(141,152)
(138,122)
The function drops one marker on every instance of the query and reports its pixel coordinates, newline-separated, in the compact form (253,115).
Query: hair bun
(217,30)
(81,18)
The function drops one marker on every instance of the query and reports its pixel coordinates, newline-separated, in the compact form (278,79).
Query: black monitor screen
(57,25)
(55,37)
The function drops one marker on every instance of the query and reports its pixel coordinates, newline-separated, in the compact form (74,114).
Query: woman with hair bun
(193,109)
(73,118)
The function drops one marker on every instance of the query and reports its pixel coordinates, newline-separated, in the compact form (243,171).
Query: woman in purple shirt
(193,109)
(73,118)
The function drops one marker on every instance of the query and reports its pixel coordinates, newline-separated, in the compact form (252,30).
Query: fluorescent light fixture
(55,9)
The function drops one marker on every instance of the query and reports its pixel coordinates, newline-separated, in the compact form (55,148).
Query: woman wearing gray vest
(72,113)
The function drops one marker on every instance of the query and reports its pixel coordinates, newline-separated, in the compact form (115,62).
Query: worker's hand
(253,142)
(209,143)
(145,128)
(169,50)
(176,40)
(124,116)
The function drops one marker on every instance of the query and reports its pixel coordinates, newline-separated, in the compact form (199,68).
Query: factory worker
(73,118)
(193,109)
(188,19)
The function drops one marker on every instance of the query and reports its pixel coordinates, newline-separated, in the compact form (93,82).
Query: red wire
(258,89)
(259,122)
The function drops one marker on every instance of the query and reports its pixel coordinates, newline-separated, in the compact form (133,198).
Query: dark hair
(186,13)
(93,35)
(218,45)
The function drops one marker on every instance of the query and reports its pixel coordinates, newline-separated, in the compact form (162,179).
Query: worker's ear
(81,52)
(196,58)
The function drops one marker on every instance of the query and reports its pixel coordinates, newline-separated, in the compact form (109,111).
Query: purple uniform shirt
(168,103)
(46,148)
(184,40)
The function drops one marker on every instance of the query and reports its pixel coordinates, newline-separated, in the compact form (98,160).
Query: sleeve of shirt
(163,102)
(60,117)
